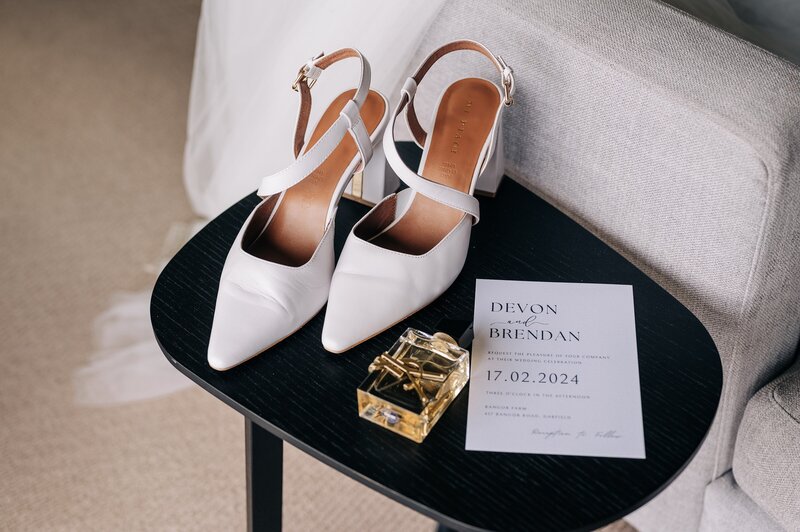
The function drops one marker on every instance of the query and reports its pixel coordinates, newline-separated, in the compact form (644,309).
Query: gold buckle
(507,76)
(301,74)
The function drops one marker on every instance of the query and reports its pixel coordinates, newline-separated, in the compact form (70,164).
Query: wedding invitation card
(555,370)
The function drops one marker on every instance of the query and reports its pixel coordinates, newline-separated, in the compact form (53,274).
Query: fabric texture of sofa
(677,144)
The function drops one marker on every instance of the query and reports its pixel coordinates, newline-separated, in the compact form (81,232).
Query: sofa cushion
(674,142)
(766,462)
(727,508)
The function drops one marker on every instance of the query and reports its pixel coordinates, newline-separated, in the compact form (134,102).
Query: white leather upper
(260,302)
(373,287)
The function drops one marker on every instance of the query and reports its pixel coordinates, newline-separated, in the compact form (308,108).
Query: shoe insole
(294,232)
(464,120)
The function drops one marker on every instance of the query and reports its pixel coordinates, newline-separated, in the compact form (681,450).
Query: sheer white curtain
(240,128)
(248,53)
(242,109)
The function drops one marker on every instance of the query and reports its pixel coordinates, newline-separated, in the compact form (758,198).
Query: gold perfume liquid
(411,385)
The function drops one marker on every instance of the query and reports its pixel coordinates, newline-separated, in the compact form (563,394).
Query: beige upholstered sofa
(679,145)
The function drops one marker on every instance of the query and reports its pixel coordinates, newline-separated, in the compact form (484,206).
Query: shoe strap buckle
(302,74)
(507,76)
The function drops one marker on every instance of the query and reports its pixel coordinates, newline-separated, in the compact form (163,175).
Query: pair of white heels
(402,254)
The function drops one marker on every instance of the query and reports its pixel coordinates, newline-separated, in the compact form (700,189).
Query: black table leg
(264,478)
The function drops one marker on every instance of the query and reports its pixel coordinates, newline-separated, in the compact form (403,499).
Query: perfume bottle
(411,385)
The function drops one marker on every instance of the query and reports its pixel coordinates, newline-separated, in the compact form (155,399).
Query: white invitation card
(555,370)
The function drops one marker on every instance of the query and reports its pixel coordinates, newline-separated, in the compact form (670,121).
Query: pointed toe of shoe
(340,335)
(335,343)
(243,328)
(358,309)
(374,288)
(222,359)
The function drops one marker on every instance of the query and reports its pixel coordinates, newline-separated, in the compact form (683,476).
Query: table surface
(307,397)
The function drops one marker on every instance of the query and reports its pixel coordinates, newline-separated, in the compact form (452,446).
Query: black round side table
(298,393)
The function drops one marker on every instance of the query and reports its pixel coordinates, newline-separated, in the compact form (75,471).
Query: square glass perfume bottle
(411,385)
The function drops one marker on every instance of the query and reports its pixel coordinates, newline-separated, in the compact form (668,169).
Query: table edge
(380,488)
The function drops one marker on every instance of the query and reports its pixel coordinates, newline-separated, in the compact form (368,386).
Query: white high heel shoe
(411,247)
(277,274)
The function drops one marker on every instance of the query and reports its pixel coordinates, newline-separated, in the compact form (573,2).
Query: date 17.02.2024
(540,377)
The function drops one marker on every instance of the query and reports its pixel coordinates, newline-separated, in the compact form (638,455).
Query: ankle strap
(349,121)
(451,197)
(308,75)
(410,87)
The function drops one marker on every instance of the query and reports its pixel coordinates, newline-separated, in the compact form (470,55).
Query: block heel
(489,180)
(375,182)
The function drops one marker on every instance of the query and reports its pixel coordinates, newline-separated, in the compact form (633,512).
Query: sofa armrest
(766,462)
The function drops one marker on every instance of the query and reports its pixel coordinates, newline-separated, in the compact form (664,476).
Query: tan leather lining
(411,114)
(298,224)
(464,120)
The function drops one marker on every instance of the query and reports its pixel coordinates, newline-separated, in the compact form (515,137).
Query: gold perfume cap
(446,337)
